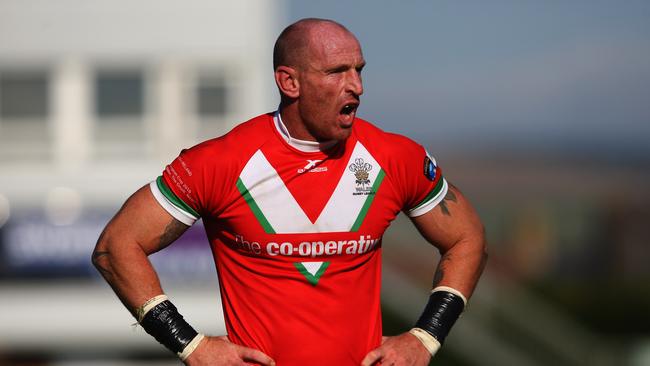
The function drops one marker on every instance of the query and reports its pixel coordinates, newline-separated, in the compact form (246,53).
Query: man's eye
(338,70)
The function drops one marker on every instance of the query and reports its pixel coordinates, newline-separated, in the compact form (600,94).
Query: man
(295,204)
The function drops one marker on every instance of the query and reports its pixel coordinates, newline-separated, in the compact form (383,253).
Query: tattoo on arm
(173,230)
(101,267)
(97,256)
(440,271)
(450,196)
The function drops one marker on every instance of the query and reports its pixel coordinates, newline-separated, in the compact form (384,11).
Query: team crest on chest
(361,171)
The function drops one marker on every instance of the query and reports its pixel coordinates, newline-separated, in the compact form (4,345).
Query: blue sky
(509,74)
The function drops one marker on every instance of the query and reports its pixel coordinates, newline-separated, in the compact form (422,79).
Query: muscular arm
(455,229)
(140,228)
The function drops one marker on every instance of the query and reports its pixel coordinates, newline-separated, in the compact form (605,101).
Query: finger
(372,357)
(249,354)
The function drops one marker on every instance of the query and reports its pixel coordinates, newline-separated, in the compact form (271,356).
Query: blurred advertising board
(31,246)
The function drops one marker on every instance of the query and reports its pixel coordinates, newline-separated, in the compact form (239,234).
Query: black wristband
(440,314)
(169,328)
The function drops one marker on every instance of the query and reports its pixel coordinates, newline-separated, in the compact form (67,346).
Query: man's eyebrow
(339,67)
(343,67)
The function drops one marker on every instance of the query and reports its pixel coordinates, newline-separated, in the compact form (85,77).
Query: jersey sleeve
(429,188)
(178,189)
(200,180)
(186,189)
(421,183)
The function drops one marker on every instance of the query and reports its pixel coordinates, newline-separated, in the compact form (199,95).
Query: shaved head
(317,67)
(292,45)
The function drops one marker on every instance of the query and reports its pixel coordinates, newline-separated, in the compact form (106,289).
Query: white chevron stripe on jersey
(272,197)
(274,203)
(312,267)
(312,270)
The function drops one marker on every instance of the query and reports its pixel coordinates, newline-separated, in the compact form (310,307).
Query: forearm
(461,265)
(456,230)
(140,228)
(127,269)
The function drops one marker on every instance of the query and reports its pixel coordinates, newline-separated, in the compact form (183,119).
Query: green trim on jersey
(311,277)
(369,199)
(278,212)
(254,207)
(434,192)
(173,199)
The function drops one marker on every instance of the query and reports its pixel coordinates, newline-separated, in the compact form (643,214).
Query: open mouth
(350,108)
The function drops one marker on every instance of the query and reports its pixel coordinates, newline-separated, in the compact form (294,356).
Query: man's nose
(355,84)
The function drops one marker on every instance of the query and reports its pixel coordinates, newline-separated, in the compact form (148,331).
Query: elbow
(99,248)
(95,258)
(100,255)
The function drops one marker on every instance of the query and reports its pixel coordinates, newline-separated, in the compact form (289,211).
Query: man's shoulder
(371,135)
(258,128)
(244,138)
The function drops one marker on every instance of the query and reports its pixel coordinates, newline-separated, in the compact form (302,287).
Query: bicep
(142,220)
(451,221)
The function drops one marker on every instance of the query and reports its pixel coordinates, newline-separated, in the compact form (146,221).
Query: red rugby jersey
(296,236)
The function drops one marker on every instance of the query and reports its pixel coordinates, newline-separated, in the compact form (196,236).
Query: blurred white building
(95,98)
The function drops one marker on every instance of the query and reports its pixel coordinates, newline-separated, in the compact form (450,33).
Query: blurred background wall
(538,111)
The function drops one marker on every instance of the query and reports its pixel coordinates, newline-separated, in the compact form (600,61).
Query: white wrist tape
(148,305)
(451,290)
(431,344)
(191,347)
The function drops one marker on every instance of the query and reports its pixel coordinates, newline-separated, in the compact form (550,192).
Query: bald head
(292,45)
(317,68)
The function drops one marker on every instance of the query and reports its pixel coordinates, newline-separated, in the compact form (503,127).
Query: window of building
(120,112)
(119,94)
(212,97)
(25,114)
(24,95)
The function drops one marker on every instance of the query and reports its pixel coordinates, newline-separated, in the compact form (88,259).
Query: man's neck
(294,124)
(302,145)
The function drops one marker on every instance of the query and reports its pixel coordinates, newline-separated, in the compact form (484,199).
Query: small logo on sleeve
(430,169)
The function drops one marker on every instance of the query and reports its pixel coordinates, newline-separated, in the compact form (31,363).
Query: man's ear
(285,78)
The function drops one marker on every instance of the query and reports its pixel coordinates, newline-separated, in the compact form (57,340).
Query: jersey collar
(302,145)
